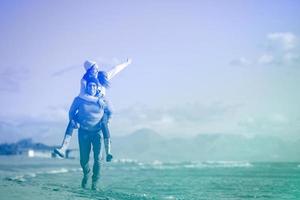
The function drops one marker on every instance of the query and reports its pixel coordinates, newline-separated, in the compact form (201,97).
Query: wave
(159,165)
(170,197)
(20,178)
(60,170)
(57,171)
(29,175)
(228,163)
(205,164)
(125,161)
(130,164)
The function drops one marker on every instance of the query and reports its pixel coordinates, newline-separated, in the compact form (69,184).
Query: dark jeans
(88,139)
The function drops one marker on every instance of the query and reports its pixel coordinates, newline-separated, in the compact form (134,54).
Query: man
(88,115)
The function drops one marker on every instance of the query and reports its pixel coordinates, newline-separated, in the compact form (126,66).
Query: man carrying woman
(92,71)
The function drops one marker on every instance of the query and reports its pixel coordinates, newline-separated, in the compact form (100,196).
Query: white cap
(88,64)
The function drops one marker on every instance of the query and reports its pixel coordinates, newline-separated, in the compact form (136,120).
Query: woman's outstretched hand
(129,61)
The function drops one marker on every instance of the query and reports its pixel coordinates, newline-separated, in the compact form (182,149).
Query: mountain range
(146,144)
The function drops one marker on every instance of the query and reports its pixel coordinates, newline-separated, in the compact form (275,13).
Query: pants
(88,139)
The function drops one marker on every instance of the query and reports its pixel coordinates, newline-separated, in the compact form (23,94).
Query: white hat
(88,64)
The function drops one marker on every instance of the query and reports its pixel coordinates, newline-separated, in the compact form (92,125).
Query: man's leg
(84,141)
(96,141)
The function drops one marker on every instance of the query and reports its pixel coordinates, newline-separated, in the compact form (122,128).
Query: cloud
(278,118)
(286,40)
(184,120)
(281,49)
(291,58)
(54,114)
(104,63)
(270,123)
(242,61)
(179,120)
(12,77)
(40,131)
(47,127)
(265,59)
(65,70)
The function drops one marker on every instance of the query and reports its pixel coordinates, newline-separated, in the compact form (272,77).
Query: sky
(198,66)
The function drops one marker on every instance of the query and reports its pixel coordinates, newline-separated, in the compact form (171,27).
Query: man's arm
(115,70)
(89,98)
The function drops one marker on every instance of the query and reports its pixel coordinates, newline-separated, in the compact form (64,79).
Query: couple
(90,112)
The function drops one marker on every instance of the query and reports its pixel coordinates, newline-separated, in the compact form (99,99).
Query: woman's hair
(86,76)
(103,80)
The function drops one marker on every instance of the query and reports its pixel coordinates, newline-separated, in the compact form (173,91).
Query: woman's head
(91,68)
(92,85)
(103,80)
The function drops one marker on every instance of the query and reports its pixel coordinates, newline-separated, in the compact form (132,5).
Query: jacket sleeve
(115,70)
(82,87)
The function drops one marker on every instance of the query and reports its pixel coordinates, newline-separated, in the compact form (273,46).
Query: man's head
(92,86)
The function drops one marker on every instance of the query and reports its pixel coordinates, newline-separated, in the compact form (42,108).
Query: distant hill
(19,147)
(146,144)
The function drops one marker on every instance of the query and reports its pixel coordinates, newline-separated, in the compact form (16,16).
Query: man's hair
(92,80)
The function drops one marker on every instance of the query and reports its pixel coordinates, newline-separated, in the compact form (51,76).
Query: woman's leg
(66,141)
(106,136)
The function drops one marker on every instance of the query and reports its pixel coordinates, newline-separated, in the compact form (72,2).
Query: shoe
(59,152)
(94,186)
(109,157)
(107,146)
(84,182)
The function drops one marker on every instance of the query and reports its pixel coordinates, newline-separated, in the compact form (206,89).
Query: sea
(34,178)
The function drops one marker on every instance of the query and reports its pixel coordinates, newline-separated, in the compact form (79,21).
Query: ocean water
(45,178)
